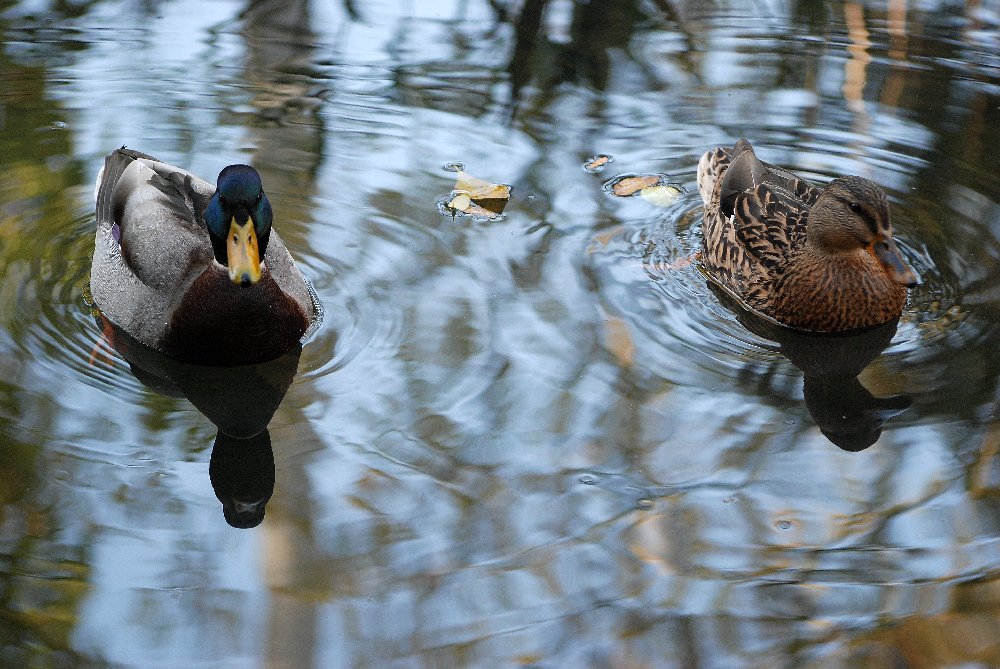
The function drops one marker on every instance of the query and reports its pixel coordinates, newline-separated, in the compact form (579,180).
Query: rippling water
(538,439)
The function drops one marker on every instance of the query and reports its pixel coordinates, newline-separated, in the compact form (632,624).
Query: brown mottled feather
(757,244)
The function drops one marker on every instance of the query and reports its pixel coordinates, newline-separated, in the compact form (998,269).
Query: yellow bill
(242,253)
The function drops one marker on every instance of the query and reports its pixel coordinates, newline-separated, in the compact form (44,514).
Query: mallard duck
(194,270)
(813,259)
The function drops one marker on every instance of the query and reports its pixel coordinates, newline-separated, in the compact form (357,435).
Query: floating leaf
(477,197)
(661,196)
(597,162)
(470,184)
(462,202)
(630,185)
(654,188)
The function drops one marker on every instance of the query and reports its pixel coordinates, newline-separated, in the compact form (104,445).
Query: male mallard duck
(816,259)
(192,270)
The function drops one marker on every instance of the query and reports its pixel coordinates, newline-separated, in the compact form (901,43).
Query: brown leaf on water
(478,197)
(479,189)
(463,203)
(468,183)
(628,186)
(597,162)
(654,188)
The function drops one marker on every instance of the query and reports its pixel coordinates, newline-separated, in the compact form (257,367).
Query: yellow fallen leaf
(483,209)
(467,182)
(632,185)
(477,197)
(479,189)
(461,202)
(661,196)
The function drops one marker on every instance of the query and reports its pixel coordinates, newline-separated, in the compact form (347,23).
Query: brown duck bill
(888,254)
(242,256)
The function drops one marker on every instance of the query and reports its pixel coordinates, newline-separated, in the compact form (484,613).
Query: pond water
(536,439)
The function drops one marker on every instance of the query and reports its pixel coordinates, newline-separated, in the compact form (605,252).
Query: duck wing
(158,208)
(767,205)
(150,243)
(768,224)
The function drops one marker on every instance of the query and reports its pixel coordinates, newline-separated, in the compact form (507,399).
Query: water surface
(532,440)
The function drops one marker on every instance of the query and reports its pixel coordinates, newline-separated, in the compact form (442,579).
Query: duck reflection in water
(242,474)
(240,401)
(844,410)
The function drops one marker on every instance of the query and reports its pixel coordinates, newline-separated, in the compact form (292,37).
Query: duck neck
(836,291)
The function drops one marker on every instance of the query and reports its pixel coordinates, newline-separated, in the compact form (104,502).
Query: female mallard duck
(816,259)
(192,270)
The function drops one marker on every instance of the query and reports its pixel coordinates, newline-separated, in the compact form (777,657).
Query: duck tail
(710,169)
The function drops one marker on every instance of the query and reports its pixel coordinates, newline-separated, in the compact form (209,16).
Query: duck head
(852,215)
(239,223)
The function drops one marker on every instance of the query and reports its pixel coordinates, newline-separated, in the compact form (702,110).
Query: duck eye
(855,207)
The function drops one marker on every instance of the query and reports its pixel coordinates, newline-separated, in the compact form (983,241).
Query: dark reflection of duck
(845,412)
(242,474)
(240,401)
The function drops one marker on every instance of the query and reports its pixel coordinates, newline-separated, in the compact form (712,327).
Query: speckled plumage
(814,259)
(155,274)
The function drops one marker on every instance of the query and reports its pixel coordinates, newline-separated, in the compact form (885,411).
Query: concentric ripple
(56,328)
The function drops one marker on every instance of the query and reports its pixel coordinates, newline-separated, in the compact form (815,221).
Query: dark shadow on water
(844,410)
(240,402)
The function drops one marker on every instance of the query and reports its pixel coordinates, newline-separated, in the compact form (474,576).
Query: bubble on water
(783,524)
(454,167)
(644,504)
(589,479)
